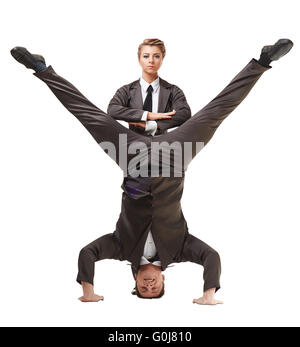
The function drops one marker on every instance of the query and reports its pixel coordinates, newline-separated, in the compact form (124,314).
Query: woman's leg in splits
(201,127)
(104,129)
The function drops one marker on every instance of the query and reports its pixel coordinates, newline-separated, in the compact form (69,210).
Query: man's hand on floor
(93,298)
(208,298)
(88,293)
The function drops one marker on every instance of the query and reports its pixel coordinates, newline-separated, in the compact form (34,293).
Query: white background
(60,191)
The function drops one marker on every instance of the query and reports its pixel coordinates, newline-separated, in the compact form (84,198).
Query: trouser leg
(104,129)
(200,128)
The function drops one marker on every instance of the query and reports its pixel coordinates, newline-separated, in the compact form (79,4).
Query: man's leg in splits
(200,128)
(104,129)
(113,137)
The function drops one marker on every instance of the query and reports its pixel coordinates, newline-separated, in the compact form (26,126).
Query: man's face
(149,280)
(150,59)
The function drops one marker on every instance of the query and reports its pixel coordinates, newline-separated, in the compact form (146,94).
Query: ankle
(264,60)
(40,66)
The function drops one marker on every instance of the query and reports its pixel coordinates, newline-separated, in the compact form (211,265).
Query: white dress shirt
(149,251)
(151,125)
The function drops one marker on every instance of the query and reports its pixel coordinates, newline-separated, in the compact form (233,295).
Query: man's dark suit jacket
(127,105)
(151,203)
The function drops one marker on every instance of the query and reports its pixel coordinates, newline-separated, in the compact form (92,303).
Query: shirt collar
(145,85)
(144,261)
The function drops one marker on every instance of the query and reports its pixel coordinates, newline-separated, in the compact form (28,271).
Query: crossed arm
(119,110)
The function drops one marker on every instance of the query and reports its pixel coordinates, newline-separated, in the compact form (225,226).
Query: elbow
(215,255)
(110,111)
(214,259)
(184,115)
(188,115)
(114,111)
(86,254)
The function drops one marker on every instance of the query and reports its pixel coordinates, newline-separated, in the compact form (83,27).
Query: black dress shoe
(24,57)
(278,50)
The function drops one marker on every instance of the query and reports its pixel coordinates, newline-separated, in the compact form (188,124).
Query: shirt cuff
(151,127)
(144,116)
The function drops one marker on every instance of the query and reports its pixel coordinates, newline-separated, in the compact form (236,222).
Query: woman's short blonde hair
(152,42)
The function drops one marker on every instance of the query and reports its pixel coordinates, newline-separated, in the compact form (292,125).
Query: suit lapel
(164,94)
(137,98)
(136,95)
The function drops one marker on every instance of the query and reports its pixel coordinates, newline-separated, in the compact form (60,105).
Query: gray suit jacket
(151,203)
(127,105)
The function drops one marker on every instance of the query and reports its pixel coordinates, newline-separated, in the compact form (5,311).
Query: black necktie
(153,259)
(148,101)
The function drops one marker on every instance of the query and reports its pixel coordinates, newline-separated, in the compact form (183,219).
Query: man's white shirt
(149,251)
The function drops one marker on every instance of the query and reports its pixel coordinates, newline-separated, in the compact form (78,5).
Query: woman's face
(150,59)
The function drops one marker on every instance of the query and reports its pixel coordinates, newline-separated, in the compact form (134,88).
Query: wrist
(88,289)
(144,116)
(210,293)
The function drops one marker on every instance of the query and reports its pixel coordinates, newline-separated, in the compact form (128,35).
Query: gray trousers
(199,129)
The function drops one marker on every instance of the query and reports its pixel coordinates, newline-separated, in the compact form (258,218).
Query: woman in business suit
(198,129)
(150,113)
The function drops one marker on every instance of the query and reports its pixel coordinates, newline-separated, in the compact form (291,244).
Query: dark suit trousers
(198,129)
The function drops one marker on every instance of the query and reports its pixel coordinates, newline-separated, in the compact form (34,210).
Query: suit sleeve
(196,251)
(105,247)
(180,105)
(119,110)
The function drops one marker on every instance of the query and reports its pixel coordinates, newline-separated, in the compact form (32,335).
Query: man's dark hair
(136,292)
